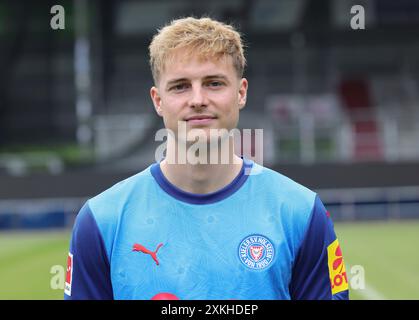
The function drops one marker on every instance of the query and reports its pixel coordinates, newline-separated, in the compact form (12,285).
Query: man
(208,230)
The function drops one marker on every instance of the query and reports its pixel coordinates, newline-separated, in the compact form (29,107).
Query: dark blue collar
(207,198)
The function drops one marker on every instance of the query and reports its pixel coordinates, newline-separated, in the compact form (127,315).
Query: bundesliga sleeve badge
(69,274)
(256,252)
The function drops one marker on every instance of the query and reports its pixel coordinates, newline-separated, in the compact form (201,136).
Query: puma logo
(153,254)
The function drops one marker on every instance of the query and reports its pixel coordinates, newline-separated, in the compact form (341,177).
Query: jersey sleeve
(88,269)
(319,271)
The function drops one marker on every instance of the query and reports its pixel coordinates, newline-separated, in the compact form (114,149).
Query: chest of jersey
(233,249)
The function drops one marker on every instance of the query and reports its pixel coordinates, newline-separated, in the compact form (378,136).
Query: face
(200,93)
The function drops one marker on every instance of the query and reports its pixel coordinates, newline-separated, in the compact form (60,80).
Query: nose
(198,98)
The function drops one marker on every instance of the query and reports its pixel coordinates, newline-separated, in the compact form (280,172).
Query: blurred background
(339,109)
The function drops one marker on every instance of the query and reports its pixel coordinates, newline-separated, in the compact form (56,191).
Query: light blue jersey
(263,236)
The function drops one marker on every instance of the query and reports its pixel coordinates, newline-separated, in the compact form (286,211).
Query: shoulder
(108,207)
(282,188)
(285,198)
(119,194)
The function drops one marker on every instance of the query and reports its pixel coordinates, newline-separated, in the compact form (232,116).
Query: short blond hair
(204,36)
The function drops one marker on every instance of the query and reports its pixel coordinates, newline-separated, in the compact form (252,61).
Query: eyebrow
(171,82)
(213,76)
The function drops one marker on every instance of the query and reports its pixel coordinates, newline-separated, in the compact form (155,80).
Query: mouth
(200,120)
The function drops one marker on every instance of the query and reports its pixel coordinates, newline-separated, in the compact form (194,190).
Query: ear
(155,97)
(243,92)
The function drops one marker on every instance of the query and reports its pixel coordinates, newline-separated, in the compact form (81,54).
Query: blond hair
(206,37)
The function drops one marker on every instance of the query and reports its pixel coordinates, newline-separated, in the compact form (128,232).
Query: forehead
(183,64)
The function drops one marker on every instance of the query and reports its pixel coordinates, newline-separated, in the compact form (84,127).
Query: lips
(200,119)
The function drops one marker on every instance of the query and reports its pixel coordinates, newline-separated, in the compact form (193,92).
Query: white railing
(378,203)
(394,137)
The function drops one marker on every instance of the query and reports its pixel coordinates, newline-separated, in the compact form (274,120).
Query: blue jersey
(263,236)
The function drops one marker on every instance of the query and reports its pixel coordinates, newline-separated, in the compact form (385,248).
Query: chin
(199,134)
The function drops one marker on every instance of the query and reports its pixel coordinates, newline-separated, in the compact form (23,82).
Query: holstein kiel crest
(256,252)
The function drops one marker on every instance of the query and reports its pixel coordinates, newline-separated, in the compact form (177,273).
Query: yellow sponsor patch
(337,272)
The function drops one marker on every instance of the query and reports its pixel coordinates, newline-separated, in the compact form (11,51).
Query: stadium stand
(337,102)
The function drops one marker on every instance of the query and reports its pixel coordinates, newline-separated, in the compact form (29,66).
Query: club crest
(256,252)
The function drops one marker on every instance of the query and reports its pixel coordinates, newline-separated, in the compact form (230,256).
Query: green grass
(386,250)
(388,253)
(34,156)
(26,259)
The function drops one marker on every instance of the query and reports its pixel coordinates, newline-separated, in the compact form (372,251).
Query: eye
(215,83)
(179,87)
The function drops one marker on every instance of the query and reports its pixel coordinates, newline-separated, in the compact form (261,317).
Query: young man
(225,230)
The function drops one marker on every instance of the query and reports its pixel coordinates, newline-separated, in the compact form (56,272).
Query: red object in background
(165,296)
(356,99)
(355,94)
(367,139)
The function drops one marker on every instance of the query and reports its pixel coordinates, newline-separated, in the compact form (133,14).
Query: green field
(26,259)
(389,254)
(386,250)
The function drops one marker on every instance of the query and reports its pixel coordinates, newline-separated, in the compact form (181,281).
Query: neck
(202,175)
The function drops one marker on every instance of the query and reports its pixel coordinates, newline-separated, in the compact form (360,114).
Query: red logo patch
(153,254)
(69,274)
(165,296)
